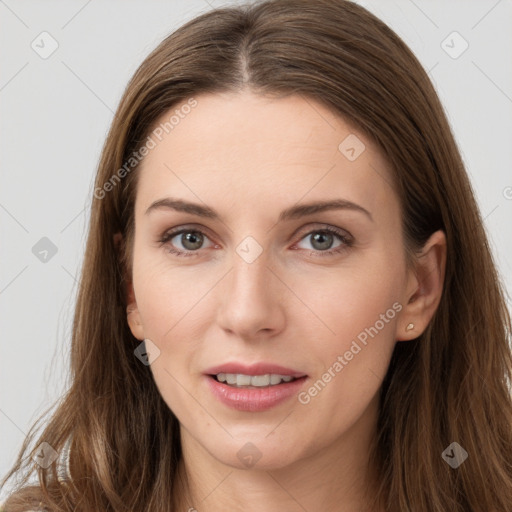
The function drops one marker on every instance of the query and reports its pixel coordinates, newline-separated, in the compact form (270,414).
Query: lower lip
(254,400)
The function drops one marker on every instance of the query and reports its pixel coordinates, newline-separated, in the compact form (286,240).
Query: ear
(132,311)
(424,288)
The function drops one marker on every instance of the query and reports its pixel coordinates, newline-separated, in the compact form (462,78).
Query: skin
(249,158)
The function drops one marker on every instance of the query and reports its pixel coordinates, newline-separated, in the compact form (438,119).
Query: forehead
(239,149)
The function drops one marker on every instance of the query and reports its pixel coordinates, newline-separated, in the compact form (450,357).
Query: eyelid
(186,227)
(320,226)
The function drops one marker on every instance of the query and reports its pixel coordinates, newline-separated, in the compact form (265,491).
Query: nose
(253,299)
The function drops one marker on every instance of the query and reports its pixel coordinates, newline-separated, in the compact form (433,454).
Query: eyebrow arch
(294,212)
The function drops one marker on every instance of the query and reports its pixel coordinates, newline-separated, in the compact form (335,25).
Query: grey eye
(189,240)
(321,240)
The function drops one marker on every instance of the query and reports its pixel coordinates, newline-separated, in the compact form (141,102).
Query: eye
(323,239)
(191,241)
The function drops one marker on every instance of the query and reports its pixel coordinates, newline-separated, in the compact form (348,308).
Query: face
(250,282)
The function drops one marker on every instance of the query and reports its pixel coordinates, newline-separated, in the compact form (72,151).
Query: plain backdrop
(56,110)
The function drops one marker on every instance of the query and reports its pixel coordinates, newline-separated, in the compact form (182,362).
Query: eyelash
(347,242)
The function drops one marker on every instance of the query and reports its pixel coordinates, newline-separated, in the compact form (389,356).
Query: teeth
(243,380)
(238,379)
(257,380)
(274,379)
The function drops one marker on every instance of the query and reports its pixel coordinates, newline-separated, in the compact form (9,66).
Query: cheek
(176,310)
(358,309)
(167,295)
(352,297)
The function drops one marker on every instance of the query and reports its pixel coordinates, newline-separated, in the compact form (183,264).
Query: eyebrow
(294,212)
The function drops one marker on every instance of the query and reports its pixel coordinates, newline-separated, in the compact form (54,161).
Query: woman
(288,301)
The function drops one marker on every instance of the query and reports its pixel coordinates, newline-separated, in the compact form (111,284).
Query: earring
(409,327)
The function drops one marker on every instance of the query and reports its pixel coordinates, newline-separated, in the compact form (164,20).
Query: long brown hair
(450,384)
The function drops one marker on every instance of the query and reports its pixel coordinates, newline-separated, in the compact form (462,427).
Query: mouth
(253,388)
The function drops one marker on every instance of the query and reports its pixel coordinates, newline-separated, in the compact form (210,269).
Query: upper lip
(261,368)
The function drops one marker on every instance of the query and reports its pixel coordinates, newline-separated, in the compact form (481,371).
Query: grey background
(55,113)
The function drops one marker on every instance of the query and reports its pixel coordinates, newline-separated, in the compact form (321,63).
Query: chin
(257,453)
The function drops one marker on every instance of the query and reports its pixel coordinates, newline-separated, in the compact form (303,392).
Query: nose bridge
(252,300)
(251,275)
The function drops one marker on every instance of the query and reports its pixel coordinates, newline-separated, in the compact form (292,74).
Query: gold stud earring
(409,327)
